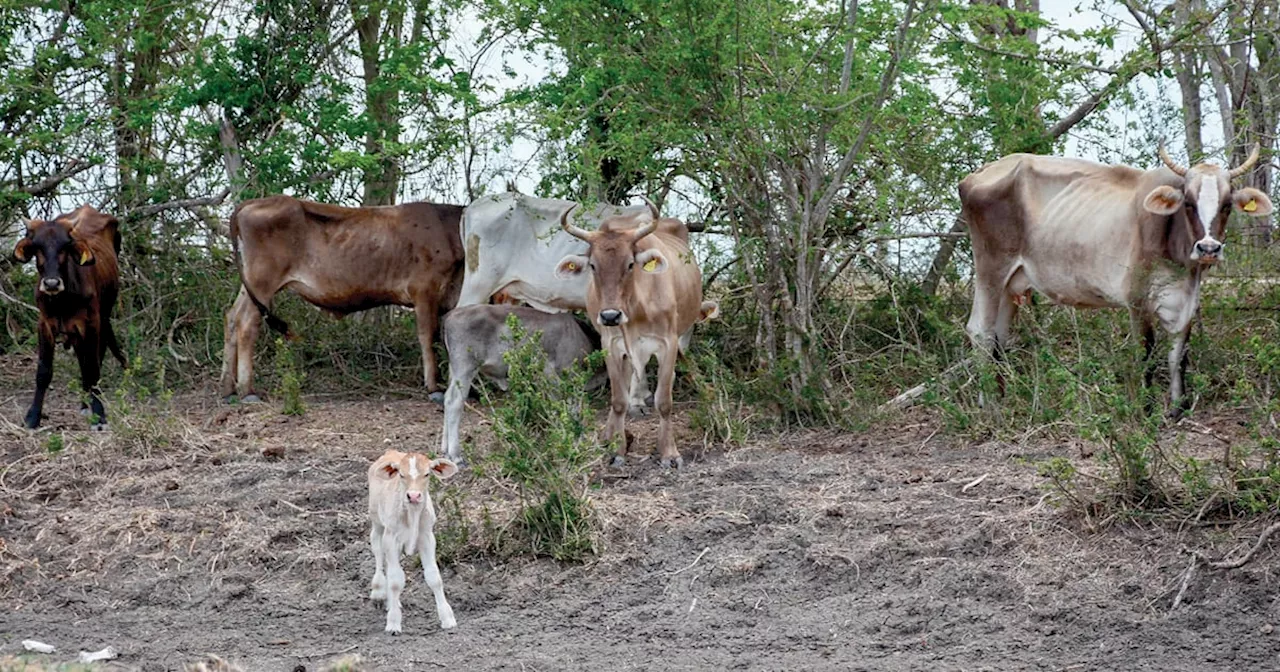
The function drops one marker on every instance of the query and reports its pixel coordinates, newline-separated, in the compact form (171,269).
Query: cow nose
(414,497)
(51,284)
(1209,249)
(610,318)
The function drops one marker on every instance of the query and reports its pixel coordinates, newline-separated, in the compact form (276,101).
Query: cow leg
(983,318)
(666,380)
(89,355)
(427,311)
(620,378)
(462,372)
(1002,336)
(395,579)
(1177,370)
(377,587)
(639,398)
(248,325)
(431,572)
(1141,324)
(476,290)
(44,375)
(230,330)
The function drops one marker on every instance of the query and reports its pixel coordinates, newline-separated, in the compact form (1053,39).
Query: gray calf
(476,336)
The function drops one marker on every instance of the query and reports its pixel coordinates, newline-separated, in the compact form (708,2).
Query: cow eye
(631,264)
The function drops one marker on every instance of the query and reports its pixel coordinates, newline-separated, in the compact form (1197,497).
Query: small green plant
(720,416)
(291,377)
(54,444)
(545,445)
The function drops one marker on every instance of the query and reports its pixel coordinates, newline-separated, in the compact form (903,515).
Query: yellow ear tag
(571,266)
(651,265)
(85,256)
(1250,206)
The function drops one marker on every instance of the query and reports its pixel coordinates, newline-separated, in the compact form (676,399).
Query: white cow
(402,521)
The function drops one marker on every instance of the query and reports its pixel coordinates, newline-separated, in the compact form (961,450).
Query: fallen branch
(908,398)
(19,302)
(691,565)
(1198,558)
(156,208)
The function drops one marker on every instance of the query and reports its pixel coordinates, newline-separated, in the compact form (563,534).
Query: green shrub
(290,377)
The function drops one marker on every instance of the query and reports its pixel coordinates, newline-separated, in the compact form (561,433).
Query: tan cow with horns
(1090,235)
(645,290)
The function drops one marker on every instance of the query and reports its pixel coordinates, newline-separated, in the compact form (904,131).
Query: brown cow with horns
(343,260)
(1091,235)
(79,279)
(645,291)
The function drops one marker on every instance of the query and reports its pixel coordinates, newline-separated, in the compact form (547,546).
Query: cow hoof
(448,622)
(31,422)
(378,594)
(638,411)
(251,398)
(437,398)
(393,630)
(679,462)
(648,401)
(1175,414)
(85,411)
(619,462)
(98,427)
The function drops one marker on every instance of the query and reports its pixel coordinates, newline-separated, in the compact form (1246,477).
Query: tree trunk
(382,99)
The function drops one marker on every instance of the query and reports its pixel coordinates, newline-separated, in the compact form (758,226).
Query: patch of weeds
(290,376)
(719,414)
(544,444)
(54,444)
(141,417)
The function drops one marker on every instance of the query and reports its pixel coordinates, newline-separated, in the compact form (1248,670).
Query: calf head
(612,257)
(411,472)
(57,251)
(1200,209)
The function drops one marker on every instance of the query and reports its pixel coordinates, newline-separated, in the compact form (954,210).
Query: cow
(644,292)
(476,337)
(402,521)
(77,259)
(512,243)
(1089,235)
(343,260)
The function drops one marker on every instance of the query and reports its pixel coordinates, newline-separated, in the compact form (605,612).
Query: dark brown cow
(79,279)
(343,260)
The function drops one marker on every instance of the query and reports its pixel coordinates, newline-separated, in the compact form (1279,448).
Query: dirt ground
(810,551)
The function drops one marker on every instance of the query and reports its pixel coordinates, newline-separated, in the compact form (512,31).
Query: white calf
(403,520)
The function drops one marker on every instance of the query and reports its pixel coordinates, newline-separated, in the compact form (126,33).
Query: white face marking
(413,467)
(1208,202)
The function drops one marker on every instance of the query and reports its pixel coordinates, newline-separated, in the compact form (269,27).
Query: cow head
(412,472)
(613,258)
(56,249)
(1205,201)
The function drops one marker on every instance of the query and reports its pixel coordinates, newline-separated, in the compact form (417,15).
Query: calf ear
(1251,202)
(23,250)
(571,266)
(710,310)
(84,256)
(443,467)
(651,261)
(1163,200)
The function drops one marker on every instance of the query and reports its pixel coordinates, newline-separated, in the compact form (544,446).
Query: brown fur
(343,260)
(81,250)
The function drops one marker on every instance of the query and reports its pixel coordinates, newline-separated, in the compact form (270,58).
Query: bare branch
(149,210)
(47,186)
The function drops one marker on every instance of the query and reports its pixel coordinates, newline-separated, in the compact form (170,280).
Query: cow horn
(1248,163)
(653,209)
(645,230)
(1164,156)
(571,229)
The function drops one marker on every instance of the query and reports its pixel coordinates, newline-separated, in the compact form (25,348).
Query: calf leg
(44,375)
(395,579)
(377,587)
(666,379)
(462,372)
(431,572)
(230,332)
(89,355)
(426,308)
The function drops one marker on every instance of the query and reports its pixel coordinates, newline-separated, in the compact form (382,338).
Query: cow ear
(443,467)
(571,266)
(710,310)
(23,250)
(1251,202)
(1163,200)
(84,255)
(390,469)
(651,261)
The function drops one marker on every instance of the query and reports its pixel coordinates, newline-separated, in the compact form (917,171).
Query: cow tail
(112,344)
(272,321)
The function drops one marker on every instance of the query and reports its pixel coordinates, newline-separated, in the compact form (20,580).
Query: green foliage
(544,444)
(54,444)
(291,376)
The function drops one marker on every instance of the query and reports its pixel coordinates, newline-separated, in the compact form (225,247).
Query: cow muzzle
(51,285)
(414,497)
(1207,252)
(612,318)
